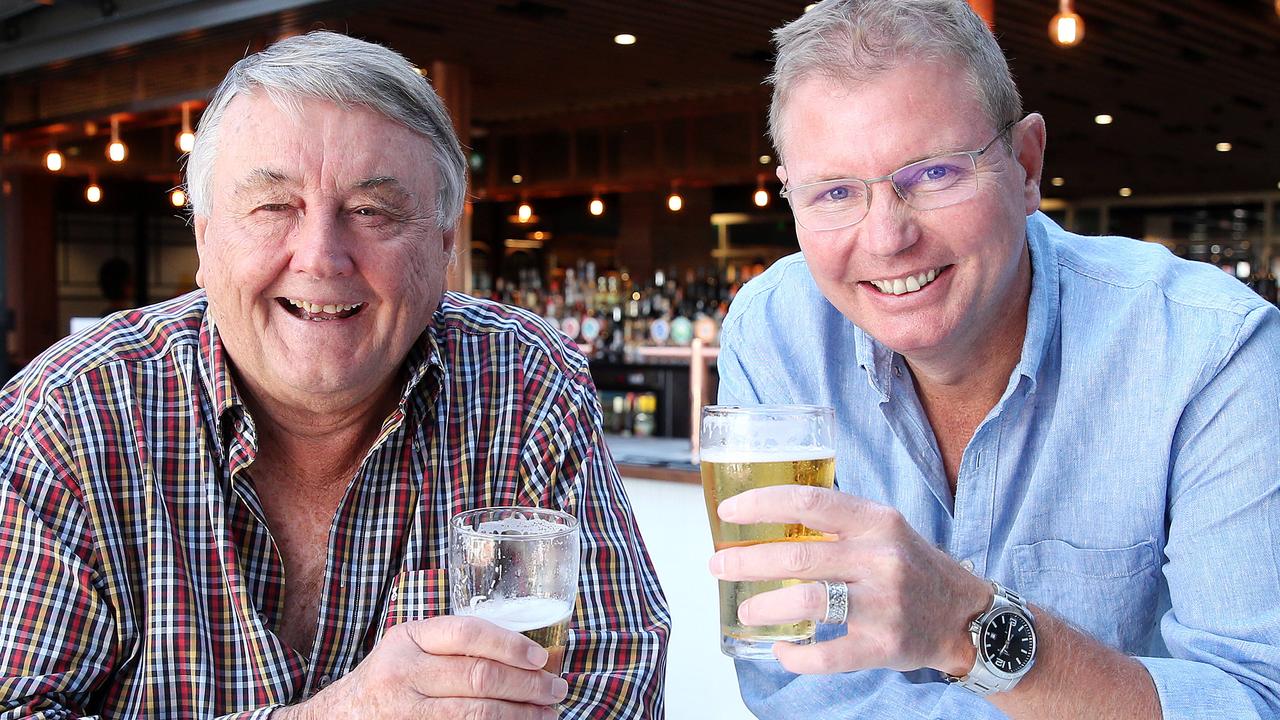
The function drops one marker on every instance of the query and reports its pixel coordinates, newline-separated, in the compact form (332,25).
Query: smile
(319,312)
(908,284)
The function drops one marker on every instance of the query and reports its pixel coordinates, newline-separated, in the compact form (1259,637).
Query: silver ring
(837,602)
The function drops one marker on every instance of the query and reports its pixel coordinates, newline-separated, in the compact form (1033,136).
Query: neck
(322,442)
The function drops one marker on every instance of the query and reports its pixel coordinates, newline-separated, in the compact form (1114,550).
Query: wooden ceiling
(1179,76)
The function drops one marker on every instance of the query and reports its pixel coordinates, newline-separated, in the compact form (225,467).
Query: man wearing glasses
(1056,486)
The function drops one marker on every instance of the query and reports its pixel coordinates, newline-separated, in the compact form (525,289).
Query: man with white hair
(1043,438)
(236,503)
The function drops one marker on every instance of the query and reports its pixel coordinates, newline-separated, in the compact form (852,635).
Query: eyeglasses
(928,184)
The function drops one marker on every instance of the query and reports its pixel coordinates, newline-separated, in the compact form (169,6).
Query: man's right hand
(441,668)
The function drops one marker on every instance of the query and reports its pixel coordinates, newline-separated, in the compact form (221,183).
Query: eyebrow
(262,179)
(386,184)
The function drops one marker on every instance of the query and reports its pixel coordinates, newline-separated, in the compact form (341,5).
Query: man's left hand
(909,602)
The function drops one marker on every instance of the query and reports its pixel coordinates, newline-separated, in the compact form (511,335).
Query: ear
(1028,149)
(201,224)
(782,174)
(449,238)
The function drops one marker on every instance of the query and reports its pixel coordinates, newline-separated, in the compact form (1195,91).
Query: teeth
(316,309)
(902,286)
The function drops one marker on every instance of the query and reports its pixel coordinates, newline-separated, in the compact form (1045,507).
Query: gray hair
(848,40)
(346,71)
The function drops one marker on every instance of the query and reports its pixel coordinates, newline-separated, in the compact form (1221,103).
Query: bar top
(653,458)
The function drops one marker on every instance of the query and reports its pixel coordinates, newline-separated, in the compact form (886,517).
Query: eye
(367,211)
(837,193)
(273,207)
(937,172)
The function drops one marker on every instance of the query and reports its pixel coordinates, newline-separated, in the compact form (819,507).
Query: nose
(321,246)
(890,225)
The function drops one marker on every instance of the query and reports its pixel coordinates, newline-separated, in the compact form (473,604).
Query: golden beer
(727,472)
(542,620)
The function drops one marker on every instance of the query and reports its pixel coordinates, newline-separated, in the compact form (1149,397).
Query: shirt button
(967,565)
(324,681)
(897,371)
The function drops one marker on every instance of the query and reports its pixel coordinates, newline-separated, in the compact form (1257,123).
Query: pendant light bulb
(93,193)
(597,206)
(178,198)
(524,212)
(186,139)
(53,161)
(116,151)
(1066,28)
(674,201)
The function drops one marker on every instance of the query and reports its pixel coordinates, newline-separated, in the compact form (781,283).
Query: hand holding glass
(517,567)
(749,447)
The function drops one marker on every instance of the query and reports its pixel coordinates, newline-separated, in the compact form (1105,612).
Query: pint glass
(751,447)
(517,567)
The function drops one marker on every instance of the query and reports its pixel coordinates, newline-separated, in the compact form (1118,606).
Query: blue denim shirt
(1127,480)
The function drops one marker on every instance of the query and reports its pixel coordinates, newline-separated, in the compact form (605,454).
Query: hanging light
(525,212)
(53,161)
(177,197)
(597,206)
(186,139)
(116,151)
(761,197)
(674,201)
(93,193)
(1066,28)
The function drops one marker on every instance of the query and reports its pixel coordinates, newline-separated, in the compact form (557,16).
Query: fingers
(787,560)
(855,651)
(818,508)
(461,635)
(456,676)
(807,601)
(490,710)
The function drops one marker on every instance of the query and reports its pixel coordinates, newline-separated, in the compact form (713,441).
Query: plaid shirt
(138,577)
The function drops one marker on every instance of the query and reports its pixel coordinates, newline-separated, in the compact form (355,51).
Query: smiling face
(321,254)
(936,285)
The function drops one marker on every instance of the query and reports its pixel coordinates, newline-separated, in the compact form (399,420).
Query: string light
(93,193)
(186,139)
(597,206)
(1066,28)
(53,161)
(177,197)
(116,151)
(761,197)
(524,212)
(674,201)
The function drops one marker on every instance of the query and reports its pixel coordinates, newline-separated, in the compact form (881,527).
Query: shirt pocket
(417,595)
(1110,593)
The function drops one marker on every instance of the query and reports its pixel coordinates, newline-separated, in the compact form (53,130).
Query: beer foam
(768,454)
(520,614)
(533,527)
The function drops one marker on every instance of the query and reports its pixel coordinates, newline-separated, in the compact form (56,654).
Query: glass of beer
(517,567)
(751,447)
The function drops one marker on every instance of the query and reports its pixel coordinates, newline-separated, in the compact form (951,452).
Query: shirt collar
(424,360)
(1042,314)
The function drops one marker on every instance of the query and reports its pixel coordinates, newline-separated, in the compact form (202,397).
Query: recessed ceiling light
(1103,119)
(1126,192)
(624,39)
(1058,182)
(1223,147)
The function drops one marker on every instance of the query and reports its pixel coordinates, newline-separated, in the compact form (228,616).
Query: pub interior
(622,184)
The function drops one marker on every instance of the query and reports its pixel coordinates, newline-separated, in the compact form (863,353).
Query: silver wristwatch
(1005,638)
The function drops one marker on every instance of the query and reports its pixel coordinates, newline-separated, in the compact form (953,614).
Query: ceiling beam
(64,32)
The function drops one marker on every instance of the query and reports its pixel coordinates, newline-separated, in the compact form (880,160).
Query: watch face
(1008,642)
